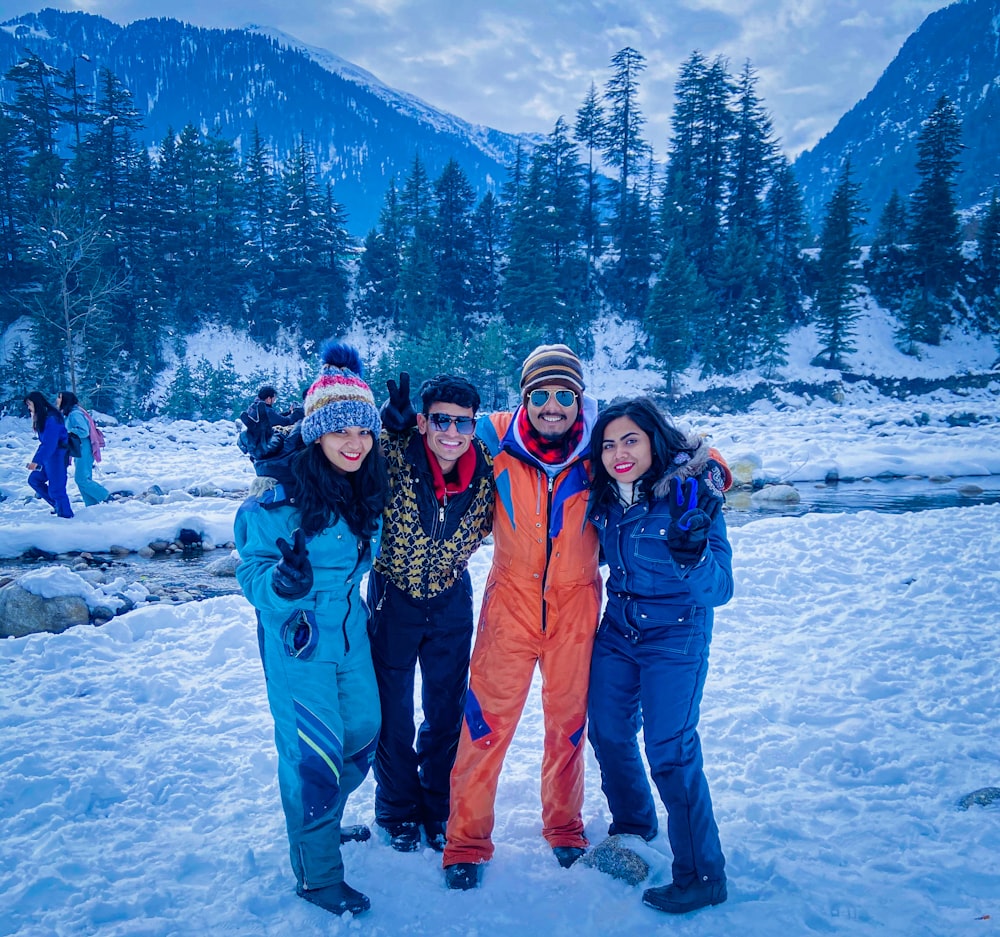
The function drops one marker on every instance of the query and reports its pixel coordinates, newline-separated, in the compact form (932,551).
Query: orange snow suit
(541,605)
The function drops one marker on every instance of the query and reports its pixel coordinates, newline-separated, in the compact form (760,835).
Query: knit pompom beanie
(339,397)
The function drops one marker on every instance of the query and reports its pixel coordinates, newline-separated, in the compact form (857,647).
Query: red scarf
(459,478)
(549,451)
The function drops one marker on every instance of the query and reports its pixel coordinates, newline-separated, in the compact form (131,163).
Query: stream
(184,577)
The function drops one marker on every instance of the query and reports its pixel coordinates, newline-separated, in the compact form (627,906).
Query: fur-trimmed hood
(688,467)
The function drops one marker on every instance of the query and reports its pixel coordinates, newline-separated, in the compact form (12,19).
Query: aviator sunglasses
(466,425)
(565,398)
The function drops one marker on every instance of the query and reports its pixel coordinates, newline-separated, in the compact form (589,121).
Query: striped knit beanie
(551,364)
(338,397)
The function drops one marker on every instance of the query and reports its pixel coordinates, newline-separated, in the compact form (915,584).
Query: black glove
(293,576)
(689,524)
(398,414)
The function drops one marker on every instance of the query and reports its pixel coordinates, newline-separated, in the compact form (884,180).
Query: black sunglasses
(565,398)
(466,425)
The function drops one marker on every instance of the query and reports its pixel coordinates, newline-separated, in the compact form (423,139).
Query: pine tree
(35,111)
(785,233)
(987,271)
(935,234)
(381,260)
(589,132)
(698,167)
(834,309)
(454,243)
(624,147)
(488,230)
(679,302)
(888,269)
(753,155)
(181,401)
(13,208)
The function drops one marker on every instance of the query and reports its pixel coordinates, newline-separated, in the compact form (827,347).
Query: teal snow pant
(326,722)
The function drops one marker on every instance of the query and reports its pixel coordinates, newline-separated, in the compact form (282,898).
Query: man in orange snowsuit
(540,606)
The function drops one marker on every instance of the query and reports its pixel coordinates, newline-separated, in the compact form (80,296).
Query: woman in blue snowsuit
(656,502)
(305,545)
(48,464)
(78,424)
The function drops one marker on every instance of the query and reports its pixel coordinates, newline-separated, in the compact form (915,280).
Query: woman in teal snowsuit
(78,424)
(305,545)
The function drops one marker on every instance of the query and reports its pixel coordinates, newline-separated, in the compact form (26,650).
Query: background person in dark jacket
(656,502)
(48,465)
(260,419)
(440,509)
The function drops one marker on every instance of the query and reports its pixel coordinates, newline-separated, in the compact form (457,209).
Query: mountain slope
(955,52)
(362,132)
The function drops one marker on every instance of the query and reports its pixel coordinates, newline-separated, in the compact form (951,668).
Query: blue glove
(687,535)
(293,576)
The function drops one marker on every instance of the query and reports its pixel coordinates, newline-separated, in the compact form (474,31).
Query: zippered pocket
(300,635)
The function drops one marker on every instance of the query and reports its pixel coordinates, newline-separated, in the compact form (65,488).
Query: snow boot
(355,834)
(403,837)
(434,834)
(567,855)
(463,875)
(677,900)
(337,899)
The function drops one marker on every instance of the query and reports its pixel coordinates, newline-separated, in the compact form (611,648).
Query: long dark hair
(67,400)
(323,495)
(666,441)
(43,410)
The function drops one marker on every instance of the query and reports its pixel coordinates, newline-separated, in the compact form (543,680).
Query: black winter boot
(355,834)
(403,837)
(337,899)
(567,855)
(463,875)
(434,834)
(677,900)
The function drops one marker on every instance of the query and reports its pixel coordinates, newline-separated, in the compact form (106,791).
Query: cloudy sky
(517,65)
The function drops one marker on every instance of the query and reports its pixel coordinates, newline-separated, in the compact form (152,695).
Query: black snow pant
(412,781)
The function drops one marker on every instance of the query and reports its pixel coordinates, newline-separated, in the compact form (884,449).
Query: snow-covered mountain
(362,132)
(955,52)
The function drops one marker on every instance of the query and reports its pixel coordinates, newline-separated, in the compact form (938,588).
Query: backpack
(96,436)
(255,439)
(275,460)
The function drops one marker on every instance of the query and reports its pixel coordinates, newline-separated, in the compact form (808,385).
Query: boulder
(224,565)
(23,612)
(616,857)
(776,494)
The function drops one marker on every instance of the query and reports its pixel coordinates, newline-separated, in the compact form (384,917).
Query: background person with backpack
(260,419)
(84,447)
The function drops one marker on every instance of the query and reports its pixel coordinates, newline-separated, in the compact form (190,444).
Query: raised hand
(398,414)
(687,534)
(293,576)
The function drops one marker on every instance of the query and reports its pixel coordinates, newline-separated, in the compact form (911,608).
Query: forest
(114,252)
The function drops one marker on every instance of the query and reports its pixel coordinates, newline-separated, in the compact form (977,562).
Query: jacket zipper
(548,549)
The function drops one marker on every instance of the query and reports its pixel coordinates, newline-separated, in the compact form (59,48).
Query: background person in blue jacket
(304,550)
(656,502)
(78,424)
(48,464)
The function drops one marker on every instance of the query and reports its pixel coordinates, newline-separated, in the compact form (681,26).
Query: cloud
(518,64)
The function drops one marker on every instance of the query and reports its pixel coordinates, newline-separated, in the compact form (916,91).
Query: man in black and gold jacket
(420,593)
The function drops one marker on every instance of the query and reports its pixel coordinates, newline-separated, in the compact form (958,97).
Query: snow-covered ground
(853,699)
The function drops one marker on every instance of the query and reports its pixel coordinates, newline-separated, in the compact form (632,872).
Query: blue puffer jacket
(334,607)
(646,586)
